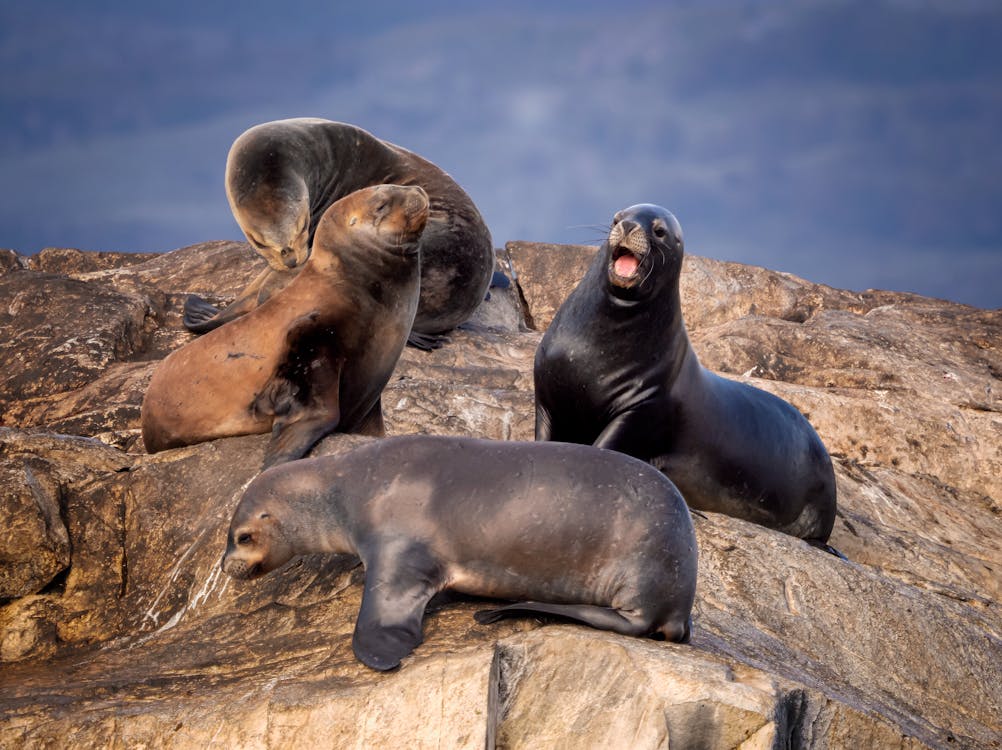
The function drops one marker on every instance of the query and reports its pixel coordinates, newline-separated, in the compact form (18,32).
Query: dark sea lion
(615,369)
(315,357)
(584,534)
(280,178)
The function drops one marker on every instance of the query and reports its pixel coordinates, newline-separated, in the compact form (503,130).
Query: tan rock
(34,545)
(142,641)
(545,275)
(11,261)
(70,261)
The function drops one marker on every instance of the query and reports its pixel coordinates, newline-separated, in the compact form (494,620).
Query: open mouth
(625,266)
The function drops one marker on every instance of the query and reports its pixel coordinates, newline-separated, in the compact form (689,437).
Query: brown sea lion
(280,178)
(615,369)
(573,531)
(315,357)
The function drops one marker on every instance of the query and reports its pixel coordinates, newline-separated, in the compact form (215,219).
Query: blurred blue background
(851,143)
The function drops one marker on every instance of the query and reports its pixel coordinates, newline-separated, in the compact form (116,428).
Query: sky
(857,144)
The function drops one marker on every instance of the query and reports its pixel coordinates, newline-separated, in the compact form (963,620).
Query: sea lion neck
(659,304)
(358,151)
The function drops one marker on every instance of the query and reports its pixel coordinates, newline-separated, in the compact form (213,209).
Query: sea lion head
(644,250)
(388,217)
(270,200)
(258,542)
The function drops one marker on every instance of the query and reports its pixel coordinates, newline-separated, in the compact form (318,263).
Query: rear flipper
(499,280)
(827,548)
(427,342)
(603,618)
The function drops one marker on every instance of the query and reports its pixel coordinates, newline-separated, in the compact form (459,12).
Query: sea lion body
(616,370)
(280,178)
(568,530)
(314,357)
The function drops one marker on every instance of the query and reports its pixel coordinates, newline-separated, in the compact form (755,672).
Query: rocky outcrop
(117,626)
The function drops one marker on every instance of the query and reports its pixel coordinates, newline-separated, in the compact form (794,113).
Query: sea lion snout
(629,243)
(400,211)
(255,546)
(289,258)
(237,568)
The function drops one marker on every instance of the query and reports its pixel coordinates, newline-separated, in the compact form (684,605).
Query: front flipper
(427,342)
(202,317)
(628,432)
(401,577)
(303,394)
(544,425)
(372,423)
(199,314)
(603,618)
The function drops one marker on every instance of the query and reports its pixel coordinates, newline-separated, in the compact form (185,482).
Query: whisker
(647,275)
(597,231)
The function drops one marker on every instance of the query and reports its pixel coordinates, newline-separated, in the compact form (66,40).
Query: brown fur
(280,178)
(315,357)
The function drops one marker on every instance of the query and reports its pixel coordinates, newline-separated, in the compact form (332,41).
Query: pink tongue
(626,265)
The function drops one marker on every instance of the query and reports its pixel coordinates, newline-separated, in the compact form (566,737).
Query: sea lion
(315,357)
(280,178)
(584,534)
(615,369)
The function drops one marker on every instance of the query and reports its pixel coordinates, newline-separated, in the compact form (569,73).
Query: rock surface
(118,628)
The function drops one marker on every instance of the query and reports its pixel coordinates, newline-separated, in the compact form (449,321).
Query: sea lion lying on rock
(580,533)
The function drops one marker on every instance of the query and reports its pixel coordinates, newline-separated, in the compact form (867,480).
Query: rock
(545,275)
(106,408)
(71,262)
(119,627)
(11,261)
(35,546)
(61,333)
(218,270)
(39,472)
(635,693)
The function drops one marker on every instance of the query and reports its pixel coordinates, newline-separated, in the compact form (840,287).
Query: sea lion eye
(659,231)
(244,538)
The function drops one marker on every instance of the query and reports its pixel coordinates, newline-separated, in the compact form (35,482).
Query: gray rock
(141,640)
